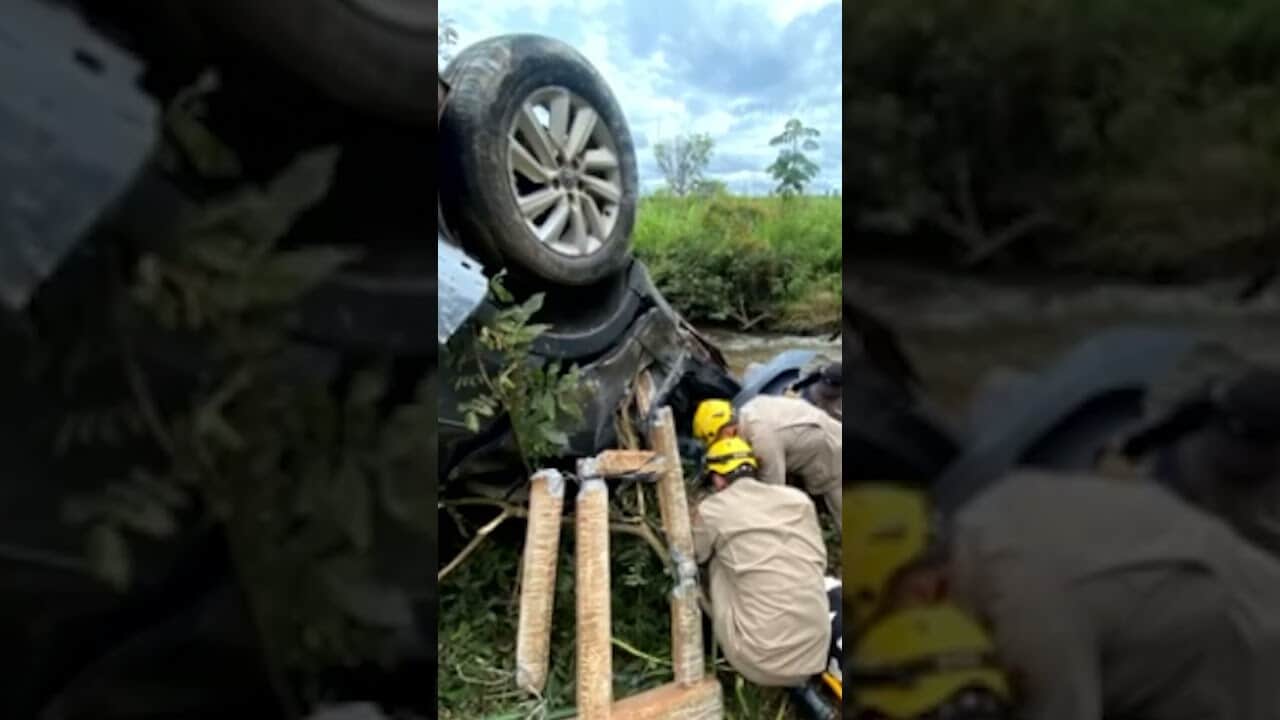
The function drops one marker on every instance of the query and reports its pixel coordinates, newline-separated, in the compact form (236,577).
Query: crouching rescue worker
(769,598)
(1111,599)
(790,437)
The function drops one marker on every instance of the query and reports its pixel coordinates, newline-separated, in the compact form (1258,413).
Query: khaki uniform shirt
(769,603)
(790,436)
(1118,599)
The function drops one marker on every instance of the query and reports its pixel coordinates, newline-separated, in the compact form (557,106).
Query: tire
(372,61)
(492,87)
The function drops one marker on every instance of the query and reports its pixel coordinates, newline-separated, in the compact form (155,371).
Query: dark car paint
(1067,411)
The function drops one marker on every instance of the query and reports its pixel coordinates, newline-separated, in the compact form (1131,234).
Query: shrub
(744,262)
(1127,135)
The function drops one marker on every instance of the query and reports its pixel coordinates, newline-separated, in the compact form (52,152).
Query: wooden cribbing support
(595,651)
(687,657)
(538,580)
(621,463)
(699,701)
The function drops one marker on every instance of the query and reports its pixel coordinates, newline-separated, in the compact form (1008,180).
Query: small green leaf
(499,290)
(109,556)
(531,306)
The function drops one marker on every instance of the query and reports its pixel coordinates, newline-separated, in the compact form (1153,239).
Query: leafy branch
(499,374)
(297,474)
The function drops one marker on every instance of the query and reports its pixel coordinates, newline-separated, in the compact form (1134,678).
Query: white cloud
(735,70)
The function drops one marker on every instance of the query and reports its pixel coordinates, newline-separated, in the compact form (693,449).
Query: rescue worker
(1219,449)
(911,661)
(790,437)
(927,662)
(1111,599)
(769,603)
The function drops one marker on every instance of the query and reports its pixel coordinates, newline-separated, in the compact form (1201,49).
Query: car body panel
(462,288)
(774,376)
(1086,396)
(74,132)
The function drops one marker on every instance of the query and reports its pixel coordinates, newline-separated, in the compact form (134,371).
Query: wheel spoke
(527,165)
(560,106)
(595,221)
(536,203)
(551,229)
(578,236)
(543,147)
(599,159)
(601,187)
(583,124)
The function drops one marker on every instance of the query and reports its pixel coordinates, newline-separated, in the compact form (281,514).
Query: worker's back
(1109,594)
(768,561)
(793,437)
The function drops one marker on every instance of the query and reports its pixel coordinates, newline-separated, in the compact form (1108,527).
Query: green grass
(760,263)
(479,608)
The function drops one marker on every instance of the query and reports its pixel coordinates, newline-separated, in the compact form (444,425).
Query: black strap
(906,673)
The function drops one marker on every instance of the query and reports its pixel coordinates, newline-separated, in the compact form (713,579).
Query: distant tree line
(683,161)
(1134,135)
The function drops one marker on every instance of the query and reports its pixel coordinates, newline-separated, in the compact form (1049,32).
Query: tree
(446,37)
(683,160)
(709,188)
(793,169)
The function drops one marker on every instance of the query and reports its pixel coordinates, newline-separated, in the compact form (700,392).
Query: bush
(1133,136)
(745,262)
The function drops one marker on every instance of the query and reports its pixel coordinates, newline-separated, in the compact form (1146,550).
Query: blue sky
(735,70)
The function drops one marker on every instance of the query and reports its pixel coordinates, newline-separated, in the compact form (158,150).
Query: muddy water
(743,349)
(957,329)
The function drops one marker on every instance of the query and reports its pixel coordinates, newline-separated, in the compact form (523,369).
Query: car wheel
(541,166)
(374,55)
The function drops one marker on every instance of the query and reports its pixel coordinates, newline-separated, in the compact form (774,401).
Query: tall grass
(748,263)
(479,608)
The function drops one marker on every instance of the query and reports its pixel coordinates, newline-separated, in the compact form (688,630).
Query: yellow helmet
(729,455)
(710,418)
(886,527)
(917,660)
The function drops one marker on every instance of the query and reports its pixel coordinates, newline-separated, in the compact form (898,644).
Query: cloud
(735,70)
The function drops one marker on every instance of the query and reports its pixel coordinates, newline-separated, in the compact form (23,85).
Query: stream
(743,349)
(957,328)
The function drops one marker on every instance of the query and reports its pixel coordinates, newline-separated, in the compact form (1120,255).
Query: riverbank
(746,263)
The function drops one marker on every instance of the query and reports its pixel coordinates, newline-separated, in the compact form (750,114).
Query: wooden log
(688,660)
(595,652)
(644,393)
(671,490)
(702,700)
(617,463)
(538,580)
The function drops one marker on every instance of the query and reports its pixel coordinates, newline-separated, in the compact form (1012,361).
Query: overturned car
(538,178)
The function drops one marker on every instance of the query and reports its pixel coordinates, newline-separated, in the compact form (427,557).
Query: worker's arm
(704,536)
(769,453)
(1051,655)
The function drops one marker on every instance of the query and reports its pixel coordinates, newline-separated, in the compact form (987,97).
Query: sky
(735,70)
